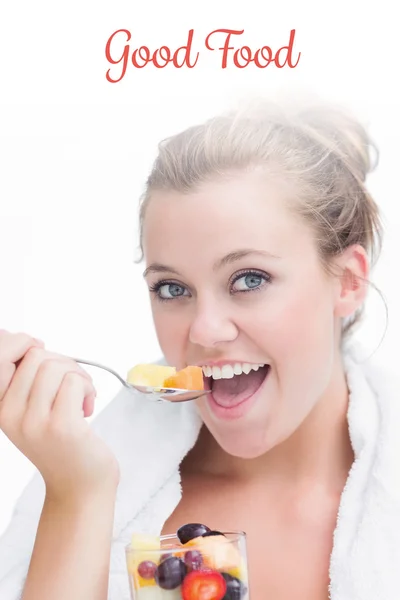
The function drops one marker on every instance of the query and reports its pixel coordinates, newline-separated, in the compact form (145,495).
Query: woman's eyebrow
(222,262)
(159,268)
(239,254)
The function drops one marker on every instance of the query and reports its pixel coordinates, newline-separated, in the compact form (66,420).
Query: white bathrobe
(150,440)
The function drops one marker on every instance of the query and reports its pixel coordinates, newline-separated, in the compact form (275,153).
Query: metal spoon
(156,393)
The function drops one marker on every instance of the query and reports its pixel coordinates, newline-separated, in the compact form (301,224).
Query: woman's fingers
(43,399)
(15,399)
(30,389)
(14,346)
(50,377)
(7,371)
(69,401)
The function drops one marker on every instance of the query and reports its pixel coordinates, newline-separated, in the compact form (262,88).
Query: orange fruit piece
(190,378)
(218,553)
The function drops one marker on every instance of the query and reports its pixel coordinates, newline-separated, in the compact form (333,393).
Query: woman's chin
(247,430)
(248,444)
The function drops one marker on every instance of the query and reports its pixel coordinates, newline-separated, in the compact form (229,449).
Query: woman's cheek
(171,337)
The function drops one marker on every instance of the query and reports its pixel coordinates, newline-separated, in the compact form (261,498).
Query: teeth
(237,369)
(216,373)
(207,371)
(229,371)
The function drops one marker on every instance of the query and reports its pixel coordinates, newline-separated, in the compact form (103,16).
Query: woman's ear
(353,267)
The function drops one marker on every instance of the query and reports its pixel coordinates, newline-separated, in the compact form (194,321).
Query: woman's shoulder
(374,407)
(377,366)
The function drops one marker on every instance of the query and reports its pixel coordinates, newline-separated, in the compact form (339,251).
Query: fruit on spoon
(152,375)
(190,378)
(159,376)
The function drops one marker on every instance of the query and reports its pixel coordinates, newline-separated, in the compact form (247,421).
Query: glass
(205,568)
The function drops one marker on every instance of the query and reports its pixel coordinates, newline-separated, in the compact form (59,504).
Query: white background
(75,151)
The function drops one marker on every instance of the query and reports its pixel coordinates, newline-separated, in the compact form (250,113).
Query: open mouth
(230,389)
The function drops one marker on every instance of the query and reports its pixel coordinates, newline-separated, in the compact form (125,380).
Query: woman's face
(236,282)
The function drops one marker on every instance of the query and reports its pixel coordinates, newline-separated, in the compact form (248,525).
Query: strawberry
(203,585)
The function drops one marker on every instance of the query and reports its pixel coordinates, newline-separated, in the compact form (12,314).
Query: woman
(258,233)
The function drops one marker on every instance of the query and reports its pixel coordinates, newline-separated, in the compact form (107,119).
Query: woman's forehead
(242,199)
(219,218)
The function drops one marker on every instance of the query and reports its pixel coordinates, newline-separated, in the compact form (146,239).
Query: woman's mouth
(232,392)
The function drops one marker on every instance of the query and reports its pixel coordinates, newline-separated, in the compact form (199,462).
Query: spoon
(155,393)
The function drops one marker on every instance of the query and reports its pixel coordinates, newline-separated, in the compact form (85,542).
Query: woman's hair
(322,149)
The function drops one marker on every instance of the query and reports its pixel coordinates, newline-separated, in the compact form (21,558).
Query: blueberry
(235,589)
(170,573)
(190,531)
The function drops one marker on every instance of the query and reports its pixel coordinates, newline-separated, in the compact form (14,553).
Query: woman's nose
(211,325)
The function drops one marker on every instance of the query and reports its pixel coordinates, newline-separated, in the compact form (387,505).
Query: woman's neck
(317,454)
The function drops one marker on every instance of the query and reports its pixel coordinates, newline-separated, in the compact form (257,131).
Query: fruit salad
(159,376)
(195,564)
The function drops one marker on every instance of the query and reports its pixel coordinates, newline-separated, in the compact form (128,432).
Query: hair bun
(344,136)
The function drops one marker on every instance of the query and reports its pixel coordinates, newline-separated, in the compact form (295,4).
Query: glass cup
(205,568)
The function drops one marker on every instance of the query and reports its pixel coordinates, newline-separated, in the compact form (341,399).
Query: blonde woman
(258,233)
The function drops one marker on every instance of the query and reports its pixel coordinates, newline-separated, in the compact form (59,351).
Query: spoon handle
(94,364)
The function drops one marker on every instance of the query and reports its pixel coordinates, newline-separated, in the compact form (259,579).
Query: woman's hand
(44,398)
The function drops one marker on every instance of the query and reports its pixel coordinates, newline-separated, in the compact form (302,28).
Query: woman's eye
(167,291)
(248,282)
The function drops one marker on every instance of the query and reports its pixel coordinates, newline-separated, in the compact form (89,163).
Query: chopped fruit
(155,593)
(170,573)
(191,531)
(204,564)
(193,560)
(147,569)
(151,375)
(145,541)
(190,378)
(137,580)
(160,376)
(145,549)
(217,552)
(235,590)
(204,585)
(140,582)
(239,571)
